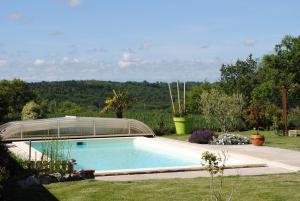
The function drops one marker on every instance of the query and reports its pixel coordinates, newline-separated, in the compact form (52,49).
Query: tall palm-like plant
(118,102)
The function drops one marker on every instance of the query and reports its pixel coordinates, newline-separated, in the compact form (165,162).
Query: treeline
(81,97)
(92,93)
(262,82)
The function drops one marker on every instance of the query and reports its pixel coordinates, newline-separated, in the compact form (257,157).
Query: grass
(247,188)
(272,139)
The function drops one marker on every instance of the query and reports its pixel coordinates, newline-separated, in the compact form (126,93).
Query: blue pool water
(115,154)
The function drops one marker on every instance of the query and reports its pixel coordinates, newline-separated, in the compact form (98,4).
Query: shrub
(3,167)
(32,110)
(225,110)
(215,165)
(161,128)
(202,136)
(3,178)
(230,139)
(294,118)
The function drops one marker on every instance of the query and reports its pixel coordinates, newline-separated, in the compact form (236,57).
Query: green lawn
(247,188)
(272,139)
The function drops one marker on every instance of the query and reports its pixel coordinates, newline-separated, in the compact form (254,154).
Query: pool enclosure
(73,127)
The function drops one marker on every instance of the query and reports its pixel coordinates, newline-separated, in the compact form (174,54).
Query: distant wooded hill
(92,93)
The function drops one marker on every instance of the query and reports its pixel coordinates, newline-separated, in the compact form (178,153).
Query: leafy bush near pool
(202,136)
(294,118)
(4,173)
(230,139)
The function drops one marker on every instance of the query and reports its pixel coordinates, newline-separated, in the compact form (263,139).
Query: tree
(69,108)
(14,95)
(240,77)
(225,110)
(194,96)
(32,110)
(283,68)
(294,118)
(4,101)
(285,62)
(118,102)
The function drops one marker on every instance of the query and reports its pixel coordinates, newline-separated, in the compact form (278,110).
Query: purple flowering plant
(202,136)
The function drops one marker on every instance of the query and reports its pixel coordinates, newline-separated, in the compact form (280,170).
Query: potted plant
(257,139)
(183,123)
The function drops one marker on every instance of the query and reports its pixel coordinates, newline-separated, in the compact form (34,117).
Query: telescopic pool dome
(73,127)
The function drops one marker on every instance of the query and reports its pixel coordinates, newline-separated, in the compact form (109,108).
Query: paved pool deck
(279,161)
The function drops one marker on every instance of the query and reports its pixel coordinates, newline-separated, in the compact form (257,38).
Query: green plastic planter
(183,125)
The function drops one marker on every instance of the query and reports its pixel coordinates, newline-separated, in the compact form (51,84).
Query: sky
(137,40)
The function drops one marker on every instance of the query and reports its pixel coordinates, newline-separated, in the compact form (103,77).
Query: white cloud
(145,46)
(128,59)
(97,50)
(73,3)
(39,62)
(197,69)
(56,33)
(249,42)
(67,60)
(204,46)
(3,62)
(15,16)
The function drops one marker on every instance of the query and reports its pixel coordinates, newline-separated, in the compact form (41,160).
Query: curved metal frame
(73,127)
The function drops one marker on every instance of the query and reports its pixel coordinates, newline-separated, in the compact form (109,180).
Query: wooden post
(284,109)
(179,107)
(171,98)
(184,97)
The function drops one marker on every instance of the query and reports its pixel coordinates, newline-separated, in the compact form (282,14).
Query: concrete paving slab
(194,174)
(288,157)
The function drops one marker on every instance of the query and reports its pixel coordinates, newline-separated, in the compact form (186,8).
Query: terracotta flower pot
(257,140)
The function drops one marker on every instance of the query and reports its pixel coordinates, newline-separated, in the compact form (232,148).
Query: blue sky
(136,40)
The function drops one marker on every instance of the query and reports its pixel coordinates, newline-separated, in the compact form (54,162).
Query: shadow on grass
(12,191)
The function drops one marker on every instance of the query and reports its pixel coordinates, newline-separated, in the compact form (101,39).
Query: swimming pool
(122,154)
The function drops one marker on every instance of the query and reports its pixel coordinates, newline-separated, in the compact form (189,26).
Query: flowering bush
(202,136)
(230,139)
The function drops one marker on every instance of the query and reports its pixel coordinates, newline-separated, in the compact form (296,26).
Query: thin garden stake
(184,96)
(171,98)
(179,108)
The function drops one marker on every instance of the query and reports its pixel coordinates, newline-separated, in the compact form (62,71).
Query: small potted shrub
(183,123)
(202,136)
(257,139)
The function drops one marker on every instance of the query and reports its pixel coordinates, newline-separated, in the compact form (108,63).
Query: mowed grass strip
(247,188)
